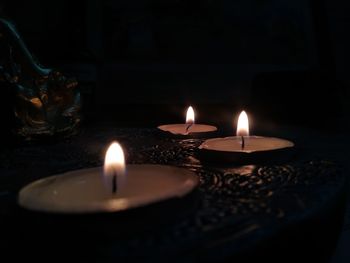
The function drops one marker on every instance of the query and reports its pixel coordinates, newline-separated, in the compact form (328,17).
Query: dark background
(144,61)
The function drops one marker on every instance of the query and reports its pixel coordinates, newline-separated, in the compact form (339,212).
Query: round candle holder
(78,199)
(189,129)
(228,150)
(124,223)
(195,131)
(83,191)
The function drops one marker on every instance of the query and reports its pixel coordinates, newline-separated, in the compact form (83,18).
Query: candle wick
(114,183)
(243,142)
(189,126)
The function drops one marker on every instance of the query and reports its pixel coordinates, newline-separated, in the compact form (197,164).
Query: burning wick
(114,168)
(243,127)
(189,118)
(243,143)
(188,127)
(114,184)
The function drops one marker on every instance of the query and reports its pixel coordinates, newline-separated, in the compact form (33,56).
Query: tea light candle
(244,148)
(114,188)
(189,128)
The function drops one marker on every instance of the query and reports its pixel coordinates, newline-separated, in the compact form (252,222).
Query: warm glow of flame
(114,165)
(190,115)
(243,124)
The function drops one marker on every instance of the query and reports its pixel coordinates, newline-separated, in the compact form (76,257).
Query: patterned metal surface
(237,206)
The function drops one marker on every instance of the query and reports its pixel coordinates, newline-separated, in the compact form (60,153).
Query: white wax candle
(251,144)
(84,191)
(243,148)
(182,129)
(256,150)
(188,128)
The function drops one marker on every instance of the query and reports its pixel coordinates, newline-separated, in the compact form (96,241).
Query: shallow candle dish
(189,129)
(195,131)
(257,149)
(153,193)
(83,191)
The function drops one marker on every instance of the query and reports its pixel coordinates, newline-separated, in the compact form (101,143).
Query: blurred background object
(37,101)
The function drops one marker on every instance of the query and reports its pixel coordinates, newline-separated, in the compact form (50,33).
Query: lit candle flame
(243,125)
(114,167)
(190,115)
